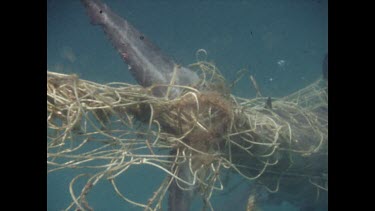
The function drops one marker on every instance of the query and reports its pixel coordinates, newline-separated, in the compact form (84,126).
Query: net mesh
(110,128)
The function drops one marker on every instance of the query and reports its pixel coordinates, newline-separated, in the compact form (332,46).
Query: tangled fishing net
(110,128)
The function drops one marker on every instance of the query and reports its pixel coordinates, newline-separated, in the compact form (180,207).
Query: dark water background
(281,43)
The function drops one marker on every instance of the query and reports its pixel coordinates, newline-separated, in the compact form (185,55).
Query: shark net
(110,128)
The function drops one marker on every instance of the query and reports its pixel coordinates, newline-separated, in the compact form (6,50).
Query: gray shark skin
(147,64)
(180,200)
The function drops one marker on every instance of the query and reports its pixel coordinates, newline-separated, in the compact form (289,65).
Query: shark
(150,67)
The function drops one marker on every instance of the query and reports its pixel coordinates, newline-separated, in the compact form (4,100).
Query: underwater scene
(187,105)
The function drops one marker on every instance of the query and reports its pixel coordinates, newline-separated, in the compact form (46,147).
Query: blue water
(281,43)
